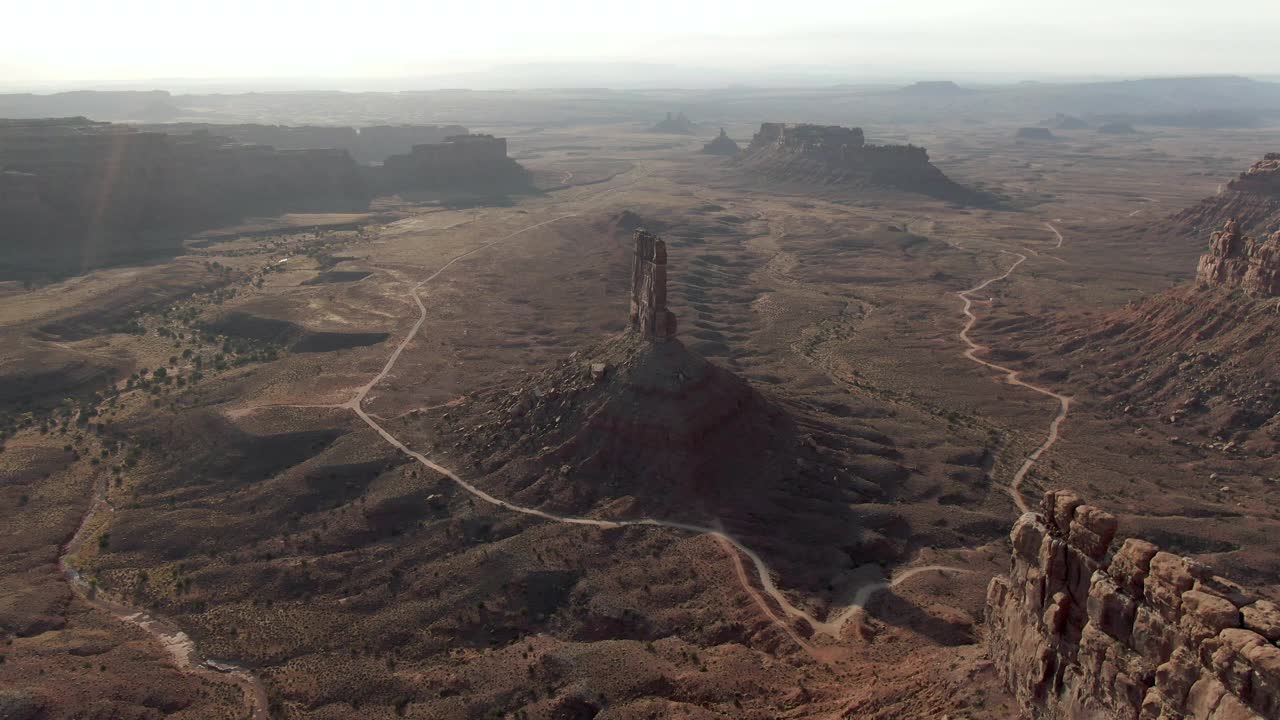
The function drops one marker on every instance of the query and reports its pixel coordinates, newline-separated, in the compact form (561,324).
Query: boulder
(1263,617)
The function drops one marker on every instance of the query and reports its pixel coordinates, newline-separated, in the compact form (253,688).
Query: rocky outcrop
(677,124)
(1262,177)
(1239,262)
(1252,199)
(78,194)
(472,163)
(834,155)
(649,314)
(722,145)
(1080,632)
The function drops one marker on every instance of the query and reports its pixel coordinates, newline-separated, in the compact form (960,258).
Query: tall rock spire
(649,314)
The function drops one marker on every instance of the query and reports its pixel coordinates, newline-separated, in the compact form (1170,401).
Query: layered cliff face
(833,155)
(474,163)
(1079,632)
(372,144)
(1239,262)
(1252,200)
(79,194)
(722,145)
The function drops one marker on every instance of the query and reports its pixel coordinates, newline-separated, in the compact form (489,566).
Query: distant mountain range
(580,96)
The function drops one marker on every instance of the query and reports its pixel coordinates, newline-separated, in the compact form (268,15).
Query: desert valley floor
(293,553)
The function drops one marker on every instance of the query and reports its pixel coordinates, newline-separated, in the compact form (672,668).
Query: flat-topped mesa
(75,193)
(834,155)
(649,314)
(462,162)
(830,141)
(1240,262)
(1078,631)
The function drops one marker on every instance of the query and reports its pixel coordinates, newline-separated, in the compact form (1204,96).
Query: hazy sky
(121,40)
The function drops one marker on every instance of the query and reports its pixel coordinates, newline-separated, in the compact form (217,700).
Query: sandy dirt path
(1011,376)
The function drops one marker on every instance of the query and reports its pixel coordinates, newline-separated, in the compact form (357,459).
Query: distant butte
(677,124)
(722,145)
(835,155)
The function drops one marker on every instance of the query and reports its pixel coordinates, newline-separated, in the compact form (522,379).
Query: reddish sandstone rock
(1149,636)
(1091,531)
(1169,577)
(649,314)
(1110,609)
(1263,617)
(1237,261)
(1175,677)
(1059,507)
(1027,536)
(1132,563)
(1253,199)
(1213,612)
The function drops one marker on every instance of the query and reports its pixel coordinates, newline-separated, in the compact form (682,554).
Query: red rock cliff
(1081,633)
(1237,261)
(1252,199)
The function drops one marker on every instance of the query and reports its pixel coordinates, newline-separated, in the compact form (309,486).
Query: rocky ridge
(1252,200)
(1240,262)
(1078,631)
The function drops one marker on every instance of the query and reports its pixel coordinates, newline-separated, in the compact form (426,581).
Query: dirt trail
(1012,376)
(177,643)
(180,646)
(764,575)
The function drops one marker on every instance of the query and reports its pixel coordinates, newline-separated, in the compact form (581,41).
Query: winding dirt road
(1011,376)
(183,650)
(831,627)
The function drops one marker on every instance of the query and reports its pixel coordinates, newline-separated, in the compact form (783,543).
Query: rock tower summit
(649,314)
